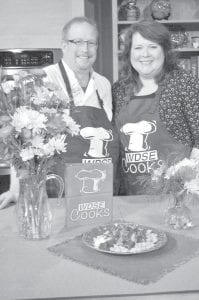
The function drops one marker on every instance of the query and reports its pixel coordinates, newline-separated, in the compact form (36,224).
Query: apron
(97,141)
(145,142)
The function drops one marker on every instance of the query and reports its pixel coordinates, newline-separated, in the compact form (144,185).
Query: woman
(156,106)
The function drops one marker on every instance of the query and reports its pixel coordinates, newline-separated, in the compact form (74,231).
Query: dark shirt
(178,105)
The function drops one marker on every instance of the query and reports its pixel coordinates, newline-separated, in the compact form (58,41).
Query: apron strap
(67,83)
(68,86)
(101,103)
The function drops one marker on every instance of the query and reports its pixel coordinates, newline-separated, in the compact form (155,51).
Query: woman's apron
(97,141)
(145,142)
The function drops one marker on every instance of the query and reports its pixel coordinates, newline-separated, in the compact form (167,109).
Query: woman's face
(147,57)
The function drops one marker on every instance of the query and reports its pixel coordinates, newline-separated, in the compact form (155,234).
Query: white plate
(124,238)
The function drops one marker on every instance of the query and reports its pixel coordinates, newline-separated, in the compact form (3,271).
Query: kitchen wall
(35,23)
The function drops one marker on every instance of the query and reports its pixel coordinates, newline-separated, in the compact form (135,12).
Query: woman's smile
(147,57)
(146,62)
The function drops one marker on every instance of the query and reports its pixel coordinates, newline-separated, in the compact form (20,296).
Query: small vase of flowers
(178,180)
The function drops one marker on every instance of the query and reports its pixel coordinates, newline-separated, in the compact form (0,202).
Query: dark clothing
(145,142)
(178,105)
(155,128)
(97,141)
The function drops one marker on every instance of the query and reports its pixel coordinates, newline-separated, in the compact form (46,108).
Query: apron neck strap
(101,103)
(68,86)
(66,81)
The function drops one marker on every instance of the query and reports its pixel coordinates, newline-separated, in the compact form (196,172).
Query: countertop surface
(29,270)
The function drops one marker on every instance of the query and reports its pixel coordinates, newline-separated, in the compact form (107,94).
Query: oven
(13,61)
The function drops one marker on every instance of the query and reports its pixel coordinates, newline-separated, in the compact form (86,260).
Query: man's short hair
(77,20)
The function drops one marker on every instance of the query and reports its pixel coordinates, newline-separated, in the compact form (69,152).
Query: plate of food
(124,238)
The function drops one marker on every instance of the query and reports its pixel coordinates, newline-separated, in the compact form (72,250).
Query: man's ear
(63,45)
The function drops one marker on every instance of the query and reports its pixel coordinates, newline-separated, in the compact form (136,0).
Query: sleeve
(191,107)
(118,94)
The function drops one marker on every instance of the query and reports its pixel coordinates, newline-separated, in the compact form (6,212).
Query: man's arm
(13,193)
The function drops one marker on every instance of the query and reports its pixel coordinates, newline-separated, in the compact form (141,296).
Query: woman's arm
(191,111)
(118,95)
(13,193)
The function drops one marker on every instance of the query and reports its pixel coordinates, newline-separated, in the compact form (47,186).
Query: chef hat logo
(91,180)
(99,139)
(138,134)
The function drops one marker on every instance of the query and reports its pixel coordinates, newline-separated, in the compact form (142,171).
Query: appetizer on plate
(124,238)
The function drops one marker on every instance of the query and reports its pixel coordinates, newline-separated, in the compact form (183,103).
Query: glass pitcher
(34,216)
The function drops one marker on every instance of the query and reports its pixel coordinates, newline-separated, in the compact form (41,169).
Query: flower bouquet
(34,124)
(180,179)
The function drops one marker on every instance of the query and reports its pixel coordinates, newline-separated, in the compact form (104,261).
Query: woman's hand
(6,198)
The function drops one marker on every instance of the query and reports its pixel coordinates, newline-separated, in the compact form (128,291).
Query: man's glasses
(80,43)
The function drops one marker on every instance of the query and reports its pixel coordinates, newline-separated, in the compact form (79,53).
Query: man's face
(80,48)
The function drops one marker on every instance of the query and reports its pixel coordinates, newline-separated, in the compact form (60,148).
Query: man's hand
(6,198)
(12,194)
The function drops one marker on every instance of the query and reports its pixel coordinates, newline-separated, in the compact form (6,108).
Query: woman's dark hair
(153,31)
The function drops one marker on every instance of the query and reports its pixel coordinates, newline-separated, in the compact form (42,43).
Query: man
(90,98)
(79,46)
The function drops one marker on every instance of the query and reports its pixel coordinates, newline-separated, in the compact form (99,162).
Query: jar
(132,11)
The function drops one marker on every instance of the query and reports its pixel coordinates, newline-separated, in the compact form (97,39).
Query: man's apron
(97,141)
(145,142)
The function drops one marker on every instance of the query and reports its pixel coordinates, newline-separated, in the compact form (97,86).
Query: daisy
(71,124)
(28,118)
(58,143)
(27,154)
(8,86)
(192,186)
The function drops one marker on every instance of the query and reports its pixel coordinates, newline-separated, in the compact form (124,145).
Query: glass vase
(33,212)
(178,216)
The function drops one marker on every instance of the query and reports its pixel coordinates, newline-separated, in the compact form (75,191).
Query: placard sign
(88,193)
